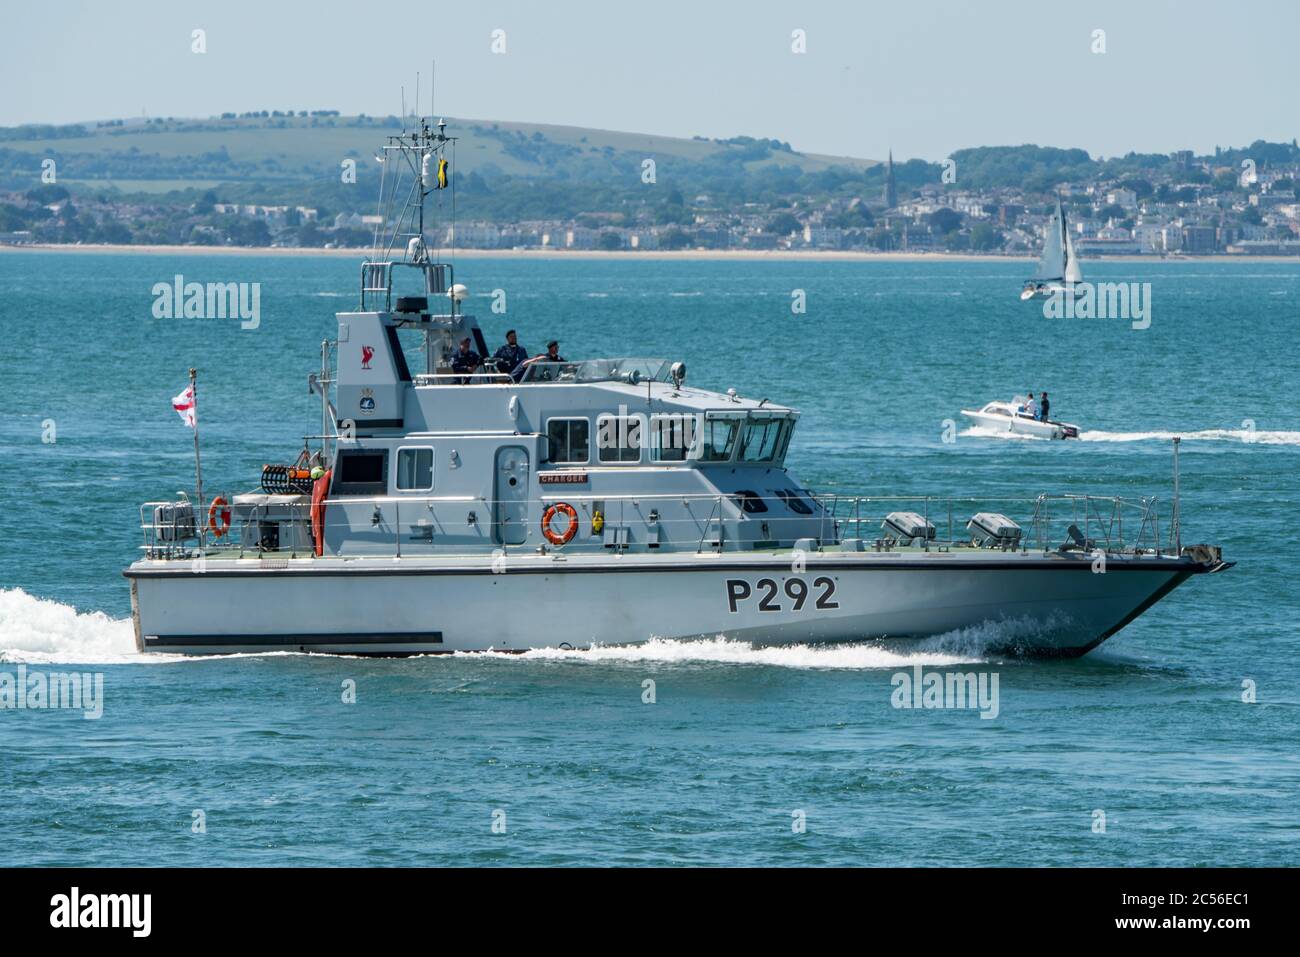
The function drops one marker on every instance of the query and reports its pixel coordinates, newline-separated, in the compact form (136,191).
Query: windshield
(757,439)
(718,438)
(764,440)
(598,370)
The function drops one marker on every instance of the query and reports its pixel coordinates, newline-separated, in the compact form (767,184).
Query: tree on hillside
(944,220)
(674,239)
(46,194)
(783,224)
(1141,187)
(983,237)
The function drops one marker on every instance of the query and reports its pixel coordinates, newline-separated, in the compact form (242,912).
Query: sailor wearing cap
(552,354)
(466,359)
(512,354)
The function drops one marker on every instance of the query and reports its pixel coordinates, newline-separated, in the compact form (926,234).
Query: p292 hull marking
(769,594)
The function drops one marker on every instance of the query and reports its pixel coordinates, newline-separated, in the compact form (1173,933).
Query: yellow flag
(442,174)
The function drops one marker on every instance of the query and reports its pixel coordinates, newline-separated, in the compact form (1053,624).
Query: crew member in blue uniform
(466,359)
(511,355)
(552,354)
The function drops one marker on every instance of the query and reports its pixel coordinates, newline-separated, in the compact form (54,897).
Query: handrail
(833,517)
(474,378)
(377,277)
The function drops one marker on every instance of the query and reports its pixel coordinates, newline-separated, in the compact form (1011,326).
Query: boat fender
(319,492)
(560,538)
(219,516)
(597,522)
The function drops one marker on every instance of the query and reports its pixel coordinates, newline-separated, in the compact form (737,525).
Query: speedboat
(1007,417)
(1058,272)
(602,501)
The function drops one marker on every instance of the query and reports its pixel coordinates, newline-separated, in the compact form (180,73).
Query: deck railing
(415,524)
(463,378)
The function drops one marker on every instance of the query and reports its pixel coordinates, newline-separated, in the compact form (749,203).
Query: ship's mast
(423,154)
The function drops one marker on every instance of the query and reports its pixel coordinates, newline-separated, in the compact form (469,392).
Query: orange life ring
(551,535)
(219,507)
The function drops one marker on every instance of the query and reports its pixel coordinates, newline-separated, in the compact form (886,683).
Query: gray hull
(1054,605)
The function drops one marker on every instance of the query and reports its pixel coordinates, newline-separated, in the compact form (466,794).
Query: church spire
(890,192)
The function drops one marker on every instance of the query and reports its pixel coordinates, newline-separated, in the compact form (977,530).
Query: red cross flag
(186,408)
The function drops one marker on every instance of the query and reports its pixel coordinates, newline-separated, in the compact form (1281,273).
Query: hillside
(273,178)
(285,158)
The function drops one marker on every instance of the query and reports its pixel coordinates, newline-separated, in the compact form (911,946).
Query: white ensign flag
(185,408)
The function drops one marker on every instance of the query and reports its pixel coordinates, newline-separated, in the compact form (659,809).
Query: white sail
(1052,265)
(1073,273)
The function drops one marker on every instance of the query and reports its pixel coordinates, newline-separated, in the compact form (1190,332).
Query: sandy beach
(783,255)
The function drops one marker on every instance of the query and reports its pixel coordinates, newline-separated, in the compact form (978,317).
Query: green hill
(297,159)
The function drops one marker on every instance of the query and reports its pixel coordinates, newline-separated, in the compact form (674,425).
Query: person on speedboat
(1031,406)
(1043,406)
(512,355)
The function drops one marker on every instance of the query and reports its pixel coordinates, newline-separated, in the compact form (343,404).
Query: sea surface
(1141,753)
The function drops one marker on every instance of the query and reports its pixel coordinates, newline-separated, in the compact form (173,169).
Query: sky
(921,78)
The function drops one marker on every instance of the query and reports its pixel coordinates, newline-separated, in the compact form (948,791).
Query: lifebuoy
(556,538)
(219,508)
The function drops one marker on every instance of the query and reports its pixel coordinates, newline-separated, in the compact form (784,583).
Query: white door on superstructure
(510,508)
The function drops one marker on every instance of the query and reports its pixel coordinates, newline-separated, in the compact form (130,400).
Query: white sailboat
(1058,270)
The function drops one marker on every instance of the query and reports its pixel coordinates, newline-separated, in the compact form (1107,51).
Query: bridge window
(763,440)
(569,440)
(618,438)
(719,439)
(415,469)
(673,436)
(784,445)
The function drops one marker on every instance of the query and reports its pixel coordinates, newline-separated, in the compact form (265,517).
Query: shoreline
(739,255)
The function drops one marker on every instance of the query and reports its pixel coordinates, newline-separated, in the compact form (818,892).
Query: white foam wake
(723,650)
(39,631)
(1244,436)
(987,432)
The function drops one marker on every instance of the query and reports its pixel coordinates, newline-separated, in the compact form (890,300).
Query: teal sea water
(1150,729)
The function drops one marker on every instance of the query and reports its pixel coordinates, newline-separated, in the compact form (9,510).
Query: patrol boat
(465,507)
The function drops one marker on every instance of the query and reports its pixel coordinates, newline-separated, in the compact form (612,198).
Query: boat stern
(135,616)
